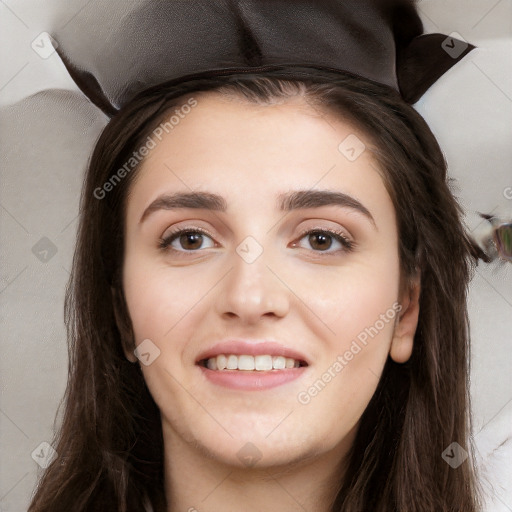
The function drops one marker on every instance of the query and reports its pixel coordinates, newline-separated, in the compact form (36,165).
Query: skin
(312,300)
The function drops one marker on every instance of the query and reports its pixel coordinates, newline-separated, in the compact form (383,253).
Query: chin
(261,446)
(256,453)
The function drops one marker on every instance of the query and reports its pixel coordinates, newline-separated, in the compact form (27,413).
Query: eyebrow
(286,202)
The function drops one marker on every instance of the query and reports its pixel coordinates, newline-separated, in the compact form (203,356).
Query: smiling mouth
(259,363)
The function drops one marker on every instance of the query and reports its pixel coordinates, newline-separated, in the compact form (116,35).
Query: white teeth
(222,362)
(263,363)
(232,363)
(251,363)
(245,362)
(279,362)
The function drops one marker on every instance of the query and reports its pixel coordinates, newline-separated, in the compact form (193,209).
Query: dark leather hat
(162,40)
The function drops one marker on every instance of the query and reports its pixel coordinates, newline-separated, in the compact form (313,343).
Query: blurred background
(47,131)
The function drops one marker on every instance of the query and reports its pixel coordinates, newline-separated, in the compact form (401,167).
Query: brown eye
(185,240)
(191,240)
(321,240)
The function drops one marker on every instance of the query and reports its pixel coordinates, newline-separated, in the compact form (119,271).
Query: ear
(407,321)
(123,324)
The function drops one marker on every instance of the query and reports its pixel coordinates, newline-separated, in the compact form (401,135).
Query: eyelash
(348,245)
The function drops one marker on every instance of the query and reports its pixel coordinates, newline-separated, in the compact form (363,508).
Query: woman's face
(255,274)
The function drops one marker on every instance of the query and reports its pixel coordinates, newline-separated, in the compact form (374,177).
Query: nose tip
(252,309)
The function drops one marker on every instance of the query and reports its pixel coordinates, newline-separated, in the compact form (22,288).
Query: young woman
(267,308)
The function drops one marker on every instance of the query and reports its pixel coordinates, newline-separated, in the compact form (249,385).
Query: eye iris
(322,237)
(192,237)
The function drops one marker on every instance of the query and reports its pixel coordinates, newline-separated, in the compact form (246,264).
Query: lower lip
(252,380)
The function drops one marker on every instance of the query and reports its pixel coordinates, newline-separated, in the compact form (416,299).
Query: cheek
(357,306)
(162,311)
(148,300)
(350,298)
(159,298)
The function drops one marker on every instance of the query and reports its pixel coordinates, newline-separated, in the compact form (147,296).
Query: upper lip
(252,348)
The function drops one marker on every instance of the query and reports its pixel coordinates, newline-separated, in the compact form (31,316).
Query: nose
(252,290)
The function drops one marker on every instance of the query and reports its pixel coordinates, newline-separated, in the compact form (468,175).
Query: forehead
(230,128)
(242,150)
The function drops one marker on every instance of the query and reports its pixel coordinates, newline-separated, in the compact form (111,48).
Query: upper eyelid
(174,231)
(331,225)
(334,230)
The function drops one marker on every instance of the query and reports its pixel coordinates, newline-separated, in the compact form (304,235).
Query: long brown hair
(110,445)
